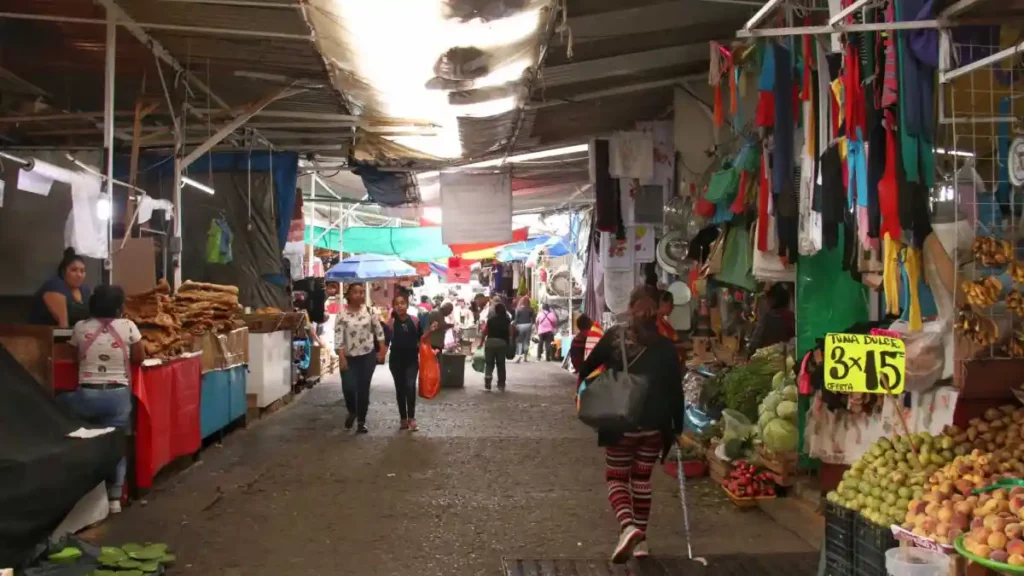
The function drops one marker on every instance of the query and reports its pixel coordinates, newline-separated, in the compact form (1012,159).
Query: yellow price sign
(863,363)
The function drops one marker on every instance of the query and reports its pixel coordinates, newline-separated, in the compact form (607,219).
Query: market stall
(224,376)
(271,371)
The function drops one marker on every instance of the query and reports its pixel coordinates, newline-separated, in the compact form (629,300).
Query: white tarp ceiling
(430,62)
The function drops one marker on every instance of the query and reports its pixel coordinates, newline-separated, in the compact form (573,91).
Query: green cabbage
(780,436)
(790,393)
(770,402)
(786,410)
(779,380)
(765,418)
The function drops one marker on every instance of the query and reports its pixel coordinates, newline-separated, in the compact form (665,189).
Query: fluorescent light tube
(531,156)
(194,184)
(961,153)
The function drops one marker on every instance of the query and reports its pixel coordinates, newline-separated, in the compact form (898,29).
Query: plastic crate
(871,542)
(839,540)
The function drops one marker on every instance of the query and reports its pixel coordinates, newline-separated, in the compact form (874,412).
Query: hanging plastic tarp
(412,244)
(520,251)
(321,237)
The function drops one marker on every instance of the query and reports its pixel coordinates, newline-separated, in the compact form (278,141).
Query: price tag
(862,363)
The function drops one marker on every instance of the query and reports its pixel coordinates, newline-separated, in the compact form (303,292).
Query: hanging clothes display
(218,242)
(916,94)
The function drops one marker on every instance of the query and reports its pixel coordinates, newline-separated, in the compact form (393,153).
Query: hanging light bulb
(103,208)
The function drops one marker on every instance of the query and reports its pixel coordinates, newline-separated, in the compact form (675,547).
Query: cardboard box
(316,361)
(222,351)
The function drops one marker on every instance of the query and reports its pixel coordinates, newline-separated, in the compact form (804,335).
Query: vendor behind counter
(63,300)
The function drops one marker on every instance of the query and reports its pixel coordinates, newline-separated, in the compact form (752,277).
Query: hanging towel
(218,242)
(147,204)
(84,230)
(631,155)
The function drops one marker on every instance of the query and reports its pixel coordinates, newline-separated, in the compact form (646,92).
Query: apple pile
(745,481)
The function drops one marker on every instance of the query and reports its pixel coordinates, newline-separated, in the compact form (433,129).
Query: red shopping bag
(430,372)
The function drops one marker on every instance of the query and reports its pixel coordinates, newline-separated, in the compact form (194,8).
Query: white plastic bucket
(915,562)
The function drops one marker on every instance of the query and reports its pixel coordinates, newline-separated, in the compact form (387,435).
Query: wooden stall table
(167,415)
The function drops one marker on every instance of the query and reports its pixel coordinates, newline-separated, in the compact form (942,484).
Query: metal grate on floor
(733,565)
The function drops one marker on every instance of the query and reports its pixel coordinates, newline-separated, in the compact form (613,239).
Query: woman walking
(498,333)
(547,323)
(630,457)
(357,335)
(525,316)
(404,360)
(107,345)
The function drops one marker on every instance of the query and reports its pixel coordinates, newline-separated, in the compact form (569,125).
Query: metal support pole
(312,219)
(108,137)
(175,244)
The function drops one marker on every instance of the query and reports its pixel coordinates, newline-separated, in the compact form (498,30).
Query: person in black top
(404,361)
(630,457)
(498,333)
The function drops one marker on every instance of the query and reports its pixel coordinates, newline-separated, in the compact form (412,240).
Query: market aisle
(489,475)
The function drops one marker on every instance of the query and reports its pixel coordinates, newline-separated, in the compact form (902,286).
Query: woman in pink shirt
(547,322)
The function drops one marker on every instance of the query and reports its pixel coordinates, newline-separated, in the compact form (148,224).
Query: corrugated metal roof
(67,59)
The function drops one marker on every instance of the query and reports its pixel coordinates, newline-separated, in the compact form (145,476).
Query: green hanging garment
(218,242)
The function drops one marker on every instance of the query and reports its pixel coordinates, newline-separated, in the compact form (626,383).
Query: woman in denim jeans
(107,346)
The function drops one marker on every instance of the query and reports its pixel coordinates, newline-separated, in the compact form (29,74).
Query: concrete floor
(489,475)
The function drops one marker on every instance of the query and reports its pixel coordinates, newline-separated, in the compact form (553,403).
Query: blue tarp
(520,251)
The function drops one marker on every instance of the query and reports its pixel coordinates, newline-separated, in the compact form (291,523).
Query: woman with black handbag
(636,404)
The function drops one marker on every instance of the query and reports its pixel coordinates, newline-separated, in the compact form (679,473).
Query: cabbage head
(780,436)
(787,410)
(790,393)
(770,402)
(779,380)
(765,418)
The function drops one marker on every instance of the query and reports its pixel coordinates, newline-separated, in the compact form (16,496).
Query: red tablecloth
(167,420)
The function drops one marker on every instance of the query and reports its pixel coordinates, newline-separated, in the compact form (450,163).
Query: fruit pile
(746,481)
(889,475)
(999,432)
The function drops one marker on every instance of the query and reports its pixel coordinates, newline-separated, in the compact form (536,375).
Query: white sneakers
(115,506)
(628,541)
(641,550)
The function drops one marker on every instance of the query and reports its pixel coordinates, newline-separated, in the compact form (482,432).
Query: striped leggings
(628,467)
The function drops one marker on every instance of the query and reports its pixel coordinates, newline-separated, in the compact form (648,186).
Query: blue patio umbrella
(369,267)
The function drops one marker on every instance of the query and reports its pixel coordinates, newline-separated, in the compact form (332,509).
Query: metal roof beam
(124,20)
(624,64)
(142,36)
(597,94)
(241,3)
(236,123)
(645,19)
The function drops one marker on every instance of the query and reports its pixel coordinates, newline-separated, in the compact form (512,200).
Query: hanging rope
(565,30)
(248,189)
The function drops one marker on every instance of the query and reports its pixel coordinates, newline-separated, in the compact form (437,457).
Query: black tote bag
(615,400)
